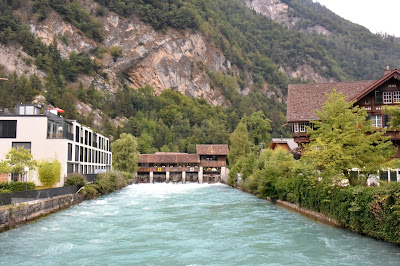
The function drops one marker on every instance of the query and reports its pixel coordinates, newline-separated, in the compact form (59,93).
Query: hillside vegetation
(257,46)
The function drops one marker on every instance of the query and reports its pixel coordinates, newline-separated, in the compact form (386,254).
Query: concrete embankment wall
(14,215)
(316,216)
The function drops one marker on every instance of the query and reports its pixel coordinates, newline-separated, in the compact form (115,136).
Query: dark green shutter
(386,120)
(378,97)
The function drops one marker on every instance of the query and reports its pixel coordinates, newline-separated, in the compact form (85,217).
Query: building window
(70,168)
(69,152)
(76,153)
(387,97)
(76,134)
(396,96)
(8,129)
(25,145)
(376,120)
(296,127)
(303,127)
(81,154)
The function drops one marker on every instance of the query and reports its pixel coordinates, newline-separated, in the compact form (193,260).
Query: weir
(208,165)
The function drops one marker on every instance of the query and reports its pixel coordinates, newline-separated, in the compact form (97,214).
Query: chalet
(304,99)
(207,165)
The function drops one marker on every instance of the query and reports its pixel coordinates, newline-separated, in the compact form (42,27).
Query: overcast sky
(376,15)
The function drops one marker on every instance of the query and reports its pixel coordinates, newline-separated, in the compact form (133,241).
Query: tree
(16,161)
(240,144)
(344,139)
(394,111)
(258,127)
(125,153)
(49,172)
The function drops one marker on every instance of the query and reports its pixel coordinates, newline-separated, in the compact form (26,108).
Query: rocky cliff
(148,57)
(279,11)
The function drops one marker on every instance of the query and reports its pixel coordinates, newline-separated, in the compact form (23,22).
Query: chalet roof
(289,141)
(304,99)
(167,157)
(212,149)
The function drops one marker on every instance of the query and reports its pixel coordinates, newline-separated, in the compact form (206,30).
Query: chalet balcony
(168,169)
(205,163)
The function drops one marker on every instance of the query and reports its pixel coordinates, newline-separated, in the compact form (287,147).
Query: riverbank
(12,216)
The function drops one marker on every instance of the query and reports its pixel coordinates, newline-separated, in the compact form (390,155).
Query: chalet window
(384,176)
(8,129)
(302,127)
(393,176)
(387,97)
(396,96)
(376,120)
(378,97)
(296,127)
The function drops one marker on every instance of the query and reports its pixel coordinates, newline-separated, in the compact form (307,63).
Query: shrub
(90,191)
(3,191)
(110,181)
(75,179)
(17,186)
(127,176)
(49,172)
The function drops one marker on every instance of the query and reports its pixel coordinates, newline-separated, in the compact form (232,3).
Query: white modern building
(49,136)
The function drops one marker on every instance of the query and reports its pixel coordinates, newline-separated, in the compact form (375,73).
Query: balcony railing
(213,163)
(168,169)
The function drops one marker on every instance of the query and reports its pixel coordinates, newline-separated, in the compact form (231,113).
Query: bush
(3,191)
(17,186)
(49,172)
(110,181)
(75,179)
(90,191)
(127,176)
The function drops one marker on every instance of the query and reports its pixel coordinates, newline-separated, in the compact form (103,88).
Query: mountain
(120,65)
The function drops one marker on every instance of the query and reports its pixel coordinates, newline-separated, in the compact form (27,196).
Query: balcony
(168,169)
(205,163)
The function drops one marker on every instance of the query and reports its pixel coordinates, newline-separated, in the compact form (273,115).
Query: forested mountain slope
(108,63)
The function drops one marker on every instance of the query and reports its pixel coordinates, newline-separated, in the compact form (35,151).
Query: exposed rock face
(279,11)
(163,60)
(274,9)
(148,57)
(15,60)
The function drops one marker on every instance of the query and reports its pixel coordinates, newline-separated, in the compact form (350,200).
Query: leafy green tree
(239,143)
(16,160)
(125,153)
(258,127)
(344,139)
(394,111)
(49,172)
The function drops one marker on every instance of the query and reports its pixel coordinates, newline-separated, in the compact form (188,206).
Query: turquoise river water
(191,224)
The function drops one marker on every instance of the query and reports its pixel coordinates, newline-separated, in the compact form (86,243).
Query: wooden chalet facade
(304,99)
(207,165)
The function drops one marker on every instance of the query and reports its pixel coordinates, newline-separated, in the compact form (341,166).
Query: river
(191,224)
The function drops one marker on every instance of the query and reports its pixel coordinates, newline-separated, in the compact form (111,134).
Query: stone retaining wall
(316,216)
(14,215)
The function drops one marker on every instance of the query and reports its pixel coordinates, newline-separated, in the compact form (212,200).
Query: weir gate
(208,165)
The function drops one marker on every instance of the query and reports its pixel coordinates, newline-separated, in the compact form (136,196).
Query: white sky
(376,15)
